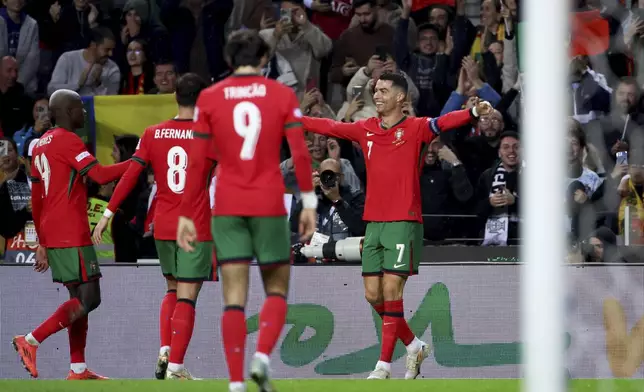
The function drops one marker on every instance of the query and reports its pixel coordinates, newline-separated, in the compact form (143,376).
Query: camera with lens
(328,179)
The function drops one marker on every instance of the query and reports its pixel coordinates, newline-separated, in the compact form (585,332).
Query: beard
(368,28)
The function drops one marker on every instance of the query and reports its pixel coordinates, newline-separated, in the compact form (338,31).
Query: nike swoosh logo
(389,323)
(370,134)
(396,266)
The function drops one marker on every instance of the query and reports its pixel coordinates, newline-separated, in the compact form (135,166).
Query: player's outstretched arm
(83,162)
(327,127)
(106,174)
(122,190)
(458,118)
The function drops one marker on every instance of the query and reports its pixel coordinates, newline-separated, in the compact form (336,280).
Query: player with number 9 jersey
(245,117)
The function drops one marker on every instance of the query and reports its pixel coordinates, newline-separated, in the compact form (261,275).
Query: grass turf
(468,385)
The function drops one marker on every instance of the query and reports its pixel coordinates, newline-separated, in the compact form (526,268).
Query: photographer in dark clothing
(340,208)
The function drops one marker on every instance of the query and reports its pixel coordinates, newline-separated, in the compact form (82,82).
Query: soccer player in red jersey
(59,205)
(166,148)
(243,119)
(393,146)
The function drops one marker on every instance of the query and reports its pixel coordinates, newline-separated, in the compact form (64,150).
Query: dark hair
(574,130)
(299,3)
(429,26)
(396,79)
(246,48)
(511,134)
(98,35)
(126,145)
(188,88)
(360,3)
(165,62)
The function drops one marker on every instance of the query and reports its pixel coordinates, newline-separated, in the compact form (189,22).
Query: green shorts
(195,266)
(239,239)
(392,247)
(73,265)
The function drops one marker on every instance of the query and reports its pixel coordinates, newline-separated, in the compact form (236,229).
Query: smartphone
(382,52)
(42,113)
(622,158)
(357,91)
(4,148)
(286,15)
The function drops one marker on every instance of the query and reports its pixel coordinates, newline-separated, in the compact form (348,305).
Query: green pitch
(310,386)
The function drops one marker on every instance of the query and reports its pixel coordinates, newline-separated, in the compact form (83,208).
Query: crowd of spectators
(331,52)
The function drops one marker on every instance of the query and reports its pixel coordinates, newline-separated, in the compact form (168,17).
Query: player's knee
(91,302)
(392,287)
(373,296)
(171,283)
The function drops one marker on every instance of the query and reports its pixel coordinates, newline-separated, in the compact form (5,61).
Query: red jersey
(243,119)
(393,159)
(166,148)
(59,160)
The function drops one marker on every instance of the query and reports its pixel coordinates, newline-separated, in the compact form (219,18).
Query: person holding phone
(300,42)
(41,123)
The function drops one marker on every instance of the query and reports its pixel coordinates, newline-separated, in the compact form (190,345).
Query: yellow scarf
(632,198)
(475,52)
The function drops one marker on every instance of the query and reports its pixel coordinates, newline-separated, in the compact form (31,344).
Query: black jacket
(349,211)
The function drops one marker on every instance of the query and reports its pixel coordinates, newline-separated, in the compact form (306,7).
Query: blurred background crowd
(452,52)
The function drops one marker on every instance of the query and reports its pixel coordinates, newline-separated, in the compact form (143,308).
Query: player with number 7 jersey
(165,148)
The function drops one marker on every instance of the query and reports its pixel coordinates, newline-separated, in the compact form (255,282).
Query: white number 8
(42,164)
(247,120)
(177,165)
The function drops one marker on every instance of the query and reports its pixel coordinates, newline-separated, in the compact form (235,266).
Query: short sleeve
(201,118)
(34,175)
(142,153)
(427,128)
(293,112)
(75,153)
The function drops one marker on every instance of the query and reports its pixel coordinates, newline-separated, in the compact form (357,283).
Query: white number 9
(247,120)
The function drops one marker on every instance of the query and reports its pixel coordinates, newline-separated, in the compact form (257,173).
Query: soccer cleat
(86,375)
(182,374)
(260,374)
(415,360)
(27,353)
(162,366)
(379,374)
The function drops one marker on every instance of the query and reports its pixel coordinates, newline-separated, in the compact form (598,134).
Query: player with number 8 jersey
(243,120)
(165,148)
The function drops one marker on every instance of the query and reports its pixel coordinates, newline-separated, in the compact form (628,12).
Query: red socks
(183,322)
(233,328)
(77,332)
(66,314)
(165,317)
(390,321)
(271,321)
(404,332)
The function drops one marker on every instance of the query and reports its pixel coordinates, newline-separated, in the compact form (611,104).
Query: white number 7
(401,251)
(247,120)
(369,145)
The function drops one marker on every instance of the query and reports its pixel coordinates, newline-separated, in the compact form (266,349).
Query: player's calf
(183,321)
(233,322)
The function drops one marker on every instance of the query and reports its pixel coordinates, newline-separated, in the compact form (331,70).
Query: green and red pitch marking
(311,385)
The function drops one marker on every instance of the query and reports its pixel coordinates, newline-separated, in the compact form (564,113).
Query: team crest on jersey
(399,137)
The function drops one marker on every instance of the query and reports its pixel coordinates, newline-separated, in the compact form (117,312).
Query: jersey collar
(393,126)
